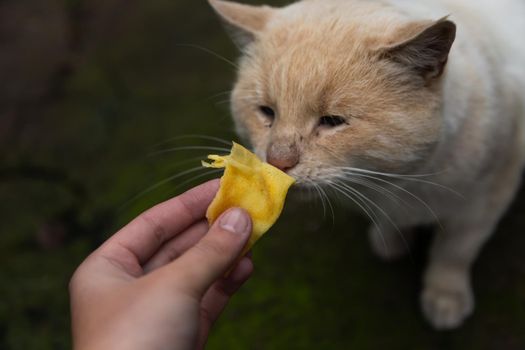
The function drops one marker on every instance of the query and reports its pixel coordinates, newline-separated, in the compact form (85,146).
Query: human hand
(159,282)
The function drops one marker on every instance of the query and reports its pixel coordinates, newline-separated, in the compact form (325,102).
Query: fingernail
(235,220)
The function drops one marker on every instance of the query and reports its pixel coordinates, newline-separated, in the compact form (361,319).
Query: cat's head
(324,85)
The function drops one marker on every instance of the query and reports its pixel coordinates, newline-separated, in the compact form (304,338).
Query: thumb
(212,256)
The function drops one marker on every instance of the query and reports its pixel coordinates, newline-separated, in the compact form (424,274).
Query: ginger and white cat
(337,91)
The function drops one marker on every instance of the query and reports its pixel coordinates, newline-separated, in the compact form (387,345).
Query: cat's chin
(301,187)
(300,195)
(304,191)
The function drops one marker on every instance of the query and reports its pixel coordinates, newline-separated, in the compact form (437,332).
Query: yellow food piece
(251,184)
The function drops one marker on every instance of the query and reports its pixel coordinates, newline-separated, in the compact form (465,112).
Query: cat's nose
(283,158)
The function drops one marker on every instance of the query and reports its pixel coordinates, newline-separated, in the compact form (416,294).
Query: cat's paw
(447,308)
(388,245)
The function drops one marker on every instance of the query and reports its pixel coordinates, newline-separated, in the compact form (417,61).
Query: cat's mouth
(306,183)
(307,177)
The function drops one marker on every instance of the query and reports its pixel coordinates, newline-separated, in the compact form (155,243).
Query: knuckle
(76,280)
(208,247)
(158,230)
(220,288)
(172,253)
(206,316)
(72,283)
(187,202)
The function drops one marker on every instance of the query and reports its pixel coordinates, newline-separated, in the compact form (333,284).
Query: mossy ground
(84,152)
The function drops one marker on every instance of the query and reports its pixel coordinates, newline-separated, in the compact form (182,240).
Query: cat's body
(376,71)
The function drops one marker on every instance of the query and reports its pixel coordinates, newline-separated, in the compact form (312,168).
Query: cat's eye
(267,111)
(331,121)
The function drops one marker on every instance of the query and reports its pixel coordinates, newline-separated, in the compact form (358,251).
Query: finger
(219,294)
(177,246)
(195,271)
(217,297)
(142,237)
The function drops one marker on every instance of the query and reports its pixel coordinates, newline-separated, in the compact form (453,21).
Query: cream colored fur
(466,126)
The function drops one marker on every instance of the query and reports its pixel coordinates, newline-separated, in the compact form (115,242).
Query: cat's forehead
(316,56)
(304,66)
(332,26)
(307,72)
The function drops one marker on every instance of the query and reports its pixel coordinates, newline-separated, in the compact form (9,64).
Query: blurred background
(90,91)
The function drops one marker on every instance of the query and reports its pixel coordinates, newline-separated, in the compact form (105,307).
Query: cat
(419,105)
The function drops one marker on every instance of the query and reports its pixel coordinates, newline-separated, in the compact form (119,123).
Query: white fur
(482,147)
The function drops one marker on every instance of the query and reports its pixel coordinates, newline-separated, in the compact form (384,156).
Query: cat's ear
(242,21)
(425,51)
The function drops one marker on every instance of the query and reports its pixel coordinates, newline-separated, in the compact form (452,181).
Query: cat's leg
(390,243)
(447,297)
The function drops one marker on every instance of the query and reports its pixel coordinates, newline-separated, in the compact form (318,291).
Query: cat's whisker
(222,102)
(389,194)
(410,177)
(229,92)
(253,94)
(323,192)
(211,52)
(186,161)
(190,180)
(194,136)
(324,197)
(425,204)
(377,188)
(245,98)
(219,94)
(333,154)
(364,207)
(344,160)
(381,210)
(228,101)
(190,148)
(159,184)
(355,192)
(391,174)
(311,194)
(313,185)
